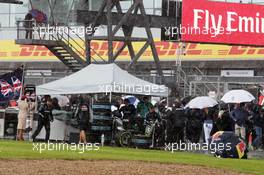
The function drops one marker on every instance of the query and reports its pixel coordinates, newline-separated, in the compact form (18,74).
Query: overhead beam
(11,1)
(125,17)
(127,30)
(151,39)
(140,52)
(87,17)
(109,7)
(118,38)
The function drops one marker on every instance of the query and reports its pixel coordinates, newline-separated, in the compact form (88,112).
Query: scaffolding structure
(135,16)
(116,20)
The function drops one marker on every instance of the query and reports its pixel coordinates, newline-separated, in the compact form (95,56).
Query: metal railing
(22,29)
(70,41)
(204,76)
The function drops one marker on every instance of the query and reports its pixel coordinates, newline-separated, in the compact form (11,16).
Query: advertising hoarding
(220,22)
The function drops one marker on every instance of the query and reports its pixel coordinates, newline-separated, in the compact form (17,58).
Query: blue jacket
(239,116)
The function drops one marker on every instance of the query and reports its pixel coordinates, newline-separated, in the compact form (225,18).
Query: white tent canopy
(101,78)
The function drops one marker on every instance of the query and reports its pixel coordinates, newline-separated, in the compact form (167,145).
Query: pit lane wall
(10,52)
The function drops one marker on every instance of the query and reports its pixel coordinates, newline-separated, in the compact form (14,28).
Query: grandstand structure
(130,22)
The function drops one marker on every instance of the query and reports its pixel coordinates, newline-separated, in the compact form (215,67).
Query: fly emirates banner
(219,22)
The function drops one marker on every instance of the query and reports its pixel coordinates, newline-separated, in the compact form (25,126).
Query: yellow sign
(9,51)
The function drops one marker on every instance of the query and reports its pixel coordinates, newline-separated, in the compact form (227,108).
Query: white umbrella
(237,96)
(201,103)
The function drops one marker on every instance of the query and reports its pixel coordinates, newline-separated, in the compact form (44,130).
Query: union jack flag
(11,86)
(17,85)
(6,88)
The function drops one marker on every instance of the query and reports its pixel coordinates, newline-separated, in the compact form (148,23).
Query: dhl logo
(36,51)
(166,51)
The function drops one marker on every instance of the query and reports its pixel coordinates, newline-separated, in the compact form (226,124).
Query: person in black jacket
(258,122)
(153,126)
(128,112)
(152,116)
(240,117)
(83,117)
(28,24)
(224,122)
(194,125)
(176,122)
(44,119)
(55,104)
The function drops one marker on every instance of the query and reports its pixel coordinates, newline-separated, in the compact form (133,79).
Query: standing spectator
(194,125)
(153,122)
(31,111)
(55,104)
(143,107)
(239,117)
(224,122)
(129,112)
(151,118)
(32,108)
(83,116)
(248,108)
(258,122)
(44,119)
(28,24)
(162,108)
(176,122)
(207,125)
(22,117)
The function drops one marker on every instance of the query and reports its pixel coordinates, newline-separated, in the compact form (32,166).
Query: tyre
(125,139)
